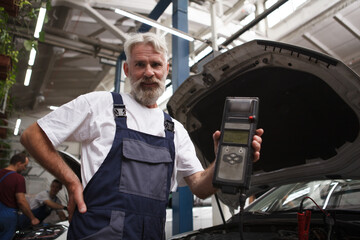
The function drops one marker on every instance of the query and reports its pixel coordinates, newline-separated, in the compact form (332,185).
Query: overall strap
(119,110)
(169,126)
(6,175)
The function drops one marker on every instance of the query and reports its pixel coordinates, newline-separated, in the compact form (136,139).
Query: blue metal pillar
(182,201)
(118,70)
(180,60)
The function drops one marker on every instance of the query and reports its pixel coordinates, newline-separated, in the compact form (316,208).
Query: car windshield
(327,194)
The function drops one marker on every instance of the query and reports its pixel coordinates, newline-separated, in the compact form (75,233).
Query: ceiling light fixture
(17,126)
(38,28)
(40,21)
(153,23)
(27,77)
(32,57)
(53,108)
(30,64)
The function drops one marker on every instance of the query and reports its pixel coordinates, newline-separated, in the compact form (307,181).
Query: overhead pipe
(243,30)
(254,22)
(84,39)
(214,33)
(226,18)
(79,44)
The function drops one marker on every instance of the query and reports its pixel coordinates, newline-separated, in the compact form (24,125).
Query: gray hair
(155,40)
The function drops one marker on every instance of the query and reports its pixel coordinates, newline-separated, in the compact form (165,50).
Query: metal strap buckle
(169,125)
(119,110)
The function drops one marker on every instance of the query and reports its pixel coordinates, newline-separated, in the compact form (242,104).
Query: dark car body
(274,215)
(309,109)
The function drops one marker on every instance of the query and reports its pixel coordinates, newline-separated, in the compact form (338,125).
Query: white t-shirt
(89,119)
(39,199)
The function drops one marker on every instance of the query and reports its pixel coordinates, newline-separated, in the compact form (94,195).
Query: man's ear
(126,69)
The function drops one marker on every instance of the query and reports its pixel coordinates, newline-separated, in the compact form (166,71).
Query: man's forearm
(200,183)
(39,146)
(24,205)
(53,204)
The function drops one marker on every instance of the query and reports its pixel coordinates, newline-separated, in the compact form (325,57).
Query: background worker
(12,196)
(42,205)
(133,153)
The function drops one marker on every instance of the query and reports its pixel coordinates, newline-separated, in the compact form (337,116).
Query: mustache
(150,80)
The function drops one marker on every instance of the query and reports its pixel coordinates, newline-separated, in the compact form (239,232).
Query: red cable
(304,220)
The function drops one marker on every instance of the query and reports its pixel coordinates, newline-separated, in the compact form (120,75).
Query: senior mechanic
(133,153)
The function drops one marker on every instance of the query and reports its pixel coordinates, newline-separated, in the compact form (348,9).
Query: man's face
(22,166)
(54,188)
(147,70)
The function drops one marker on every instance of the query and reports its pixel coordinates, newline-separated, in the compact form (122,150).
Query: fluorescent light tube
(32,57)
(27,77)
(53,107)
(40,22)
(17,126)
(153,23)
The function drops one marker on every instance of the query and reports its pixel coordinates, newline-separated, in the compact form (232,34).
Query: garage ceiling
(80,33)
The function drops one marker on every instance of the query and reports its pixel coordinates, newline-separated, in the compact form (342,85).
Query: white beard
(147,97)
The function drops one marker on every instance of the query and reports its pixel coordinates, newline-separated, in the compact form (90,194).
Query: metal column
(180,47)
(118,70)
(182,200)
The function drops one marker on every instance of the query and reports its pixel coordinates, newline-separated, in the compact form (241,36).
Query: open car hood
(309,109)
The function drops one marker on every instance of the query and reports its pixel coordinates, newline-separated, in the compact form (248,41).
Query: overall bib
(127,197)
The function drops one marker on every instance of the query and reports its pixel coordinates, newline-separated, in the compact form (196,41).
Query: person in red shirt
(12,196)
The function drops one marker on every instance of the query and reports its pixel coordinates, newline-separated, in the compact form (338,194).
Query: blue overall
(8,218)
(127,197)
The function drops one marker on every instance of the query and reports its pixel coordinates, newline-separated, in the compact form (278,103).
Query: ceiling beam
(320,45)
(287,36)
(94,14)
(84,39)
(257,19)
(348,25)
(77,43)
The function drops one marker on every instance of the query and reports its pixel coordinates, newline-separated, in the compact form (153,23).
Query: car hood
(309,109)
